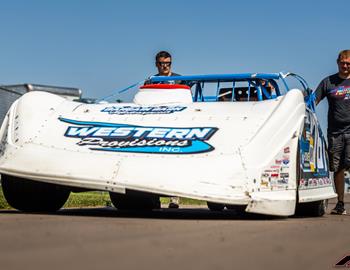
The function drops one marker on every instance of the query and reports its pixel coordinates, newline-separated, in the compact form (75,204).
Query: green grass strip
(87,199)
(3,202)
(96,199)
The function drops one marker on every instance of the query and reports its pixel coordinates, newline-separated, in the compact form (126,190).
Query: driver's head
(265,83)
(343,62)
(163,63)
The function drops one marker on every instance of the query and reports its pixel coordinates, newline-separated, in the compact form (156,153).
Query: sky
(102,46)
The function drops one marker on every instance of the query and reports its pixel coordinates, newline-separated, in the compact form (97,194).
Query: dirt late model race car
(249,142)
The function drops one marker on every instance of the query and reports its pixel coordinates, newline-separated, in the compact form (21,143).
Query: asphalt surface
(189,238)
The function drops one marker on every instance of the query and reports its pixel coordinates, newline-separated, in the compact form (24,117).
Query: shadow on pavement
(164,213)
(186,213)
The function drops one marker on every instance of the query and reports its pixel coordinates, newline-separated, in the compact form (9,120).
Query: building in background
(9,93)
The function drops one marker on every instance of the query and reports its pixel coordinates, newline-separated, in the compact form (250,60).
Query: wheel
(135,200)
(33,196)
(215,206)
(239,209)
(312,209)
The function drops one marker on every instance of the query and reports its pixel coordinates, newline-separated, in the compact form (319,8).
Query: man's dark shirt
(165,82)
(172,74)
(337,91)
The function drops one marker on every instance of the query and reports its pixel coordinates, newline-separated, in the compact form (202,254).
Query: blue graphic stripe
(217,77)
(196,147)
(97,124)
(103,124)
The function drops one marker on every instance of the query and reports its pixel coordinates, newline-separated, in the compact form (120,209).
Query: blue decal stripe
(88,123)
(196,147)
(103,124)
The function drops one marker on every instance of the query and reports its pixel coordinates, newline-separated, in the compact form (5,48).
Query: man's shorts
(339,152)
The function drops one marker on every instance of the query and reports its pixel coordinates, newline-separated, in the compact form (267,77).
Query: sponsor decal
(314,182)
(278,162)
(284,175)
(264,183)
(140,139)
(277,173)
(282,181)
(121,110)
(313,159)
(270,171)
(284,178)
(285,161)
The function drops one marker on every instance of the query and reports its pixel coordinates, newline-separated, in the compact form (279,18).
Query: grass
(97,198)
(88,199)
(184,201)
(3,202)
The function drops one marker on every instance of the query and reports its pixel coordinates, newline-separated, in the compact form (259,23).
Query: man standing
(163,64)
(337,90)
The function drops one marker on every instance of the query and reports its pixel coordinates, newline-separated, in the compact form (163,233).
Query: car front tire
(33,196)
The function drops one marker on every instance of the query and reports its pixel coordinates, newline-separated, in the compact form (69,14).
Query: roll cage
(256,88)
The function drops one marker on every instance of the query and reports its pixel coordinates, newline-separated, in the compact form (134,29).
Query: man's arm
(320,92)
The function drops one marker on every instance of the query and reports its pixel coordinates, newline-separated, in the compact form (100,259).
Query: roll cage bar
(253,79)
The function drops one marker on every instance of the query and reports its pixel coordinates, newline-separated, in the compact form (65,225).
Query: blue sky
(101,46)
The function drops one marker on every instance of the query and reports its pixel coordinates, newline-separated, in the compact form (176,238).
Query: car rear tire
(33,196)
(312,209)
(215,206)
(239,209)
(134,200)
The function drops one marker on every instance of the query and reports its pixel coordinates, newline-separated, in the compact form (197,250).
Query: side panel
(315,181)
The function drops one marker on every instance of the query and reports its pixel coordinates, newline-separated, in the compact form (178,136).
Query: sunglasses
(167,64)
(342,63)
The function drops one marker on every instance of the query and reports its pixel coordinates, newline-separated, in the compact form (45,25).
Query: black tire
(33,196)
(239,209)
(215,206)
(311,209)
(134,200)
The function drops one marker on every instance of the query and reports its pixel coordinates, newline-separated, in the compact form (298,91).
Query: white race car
(249,142)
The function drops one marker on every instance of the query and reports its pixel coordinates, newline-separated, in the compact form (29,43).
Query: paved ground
(169,239)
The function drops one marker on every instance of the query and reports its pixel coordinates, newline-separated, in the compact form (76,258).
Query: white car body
(240,153)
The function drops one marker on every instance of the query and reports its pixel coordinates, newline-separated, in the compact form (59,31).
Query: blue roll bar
(198,81)
(217,77)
